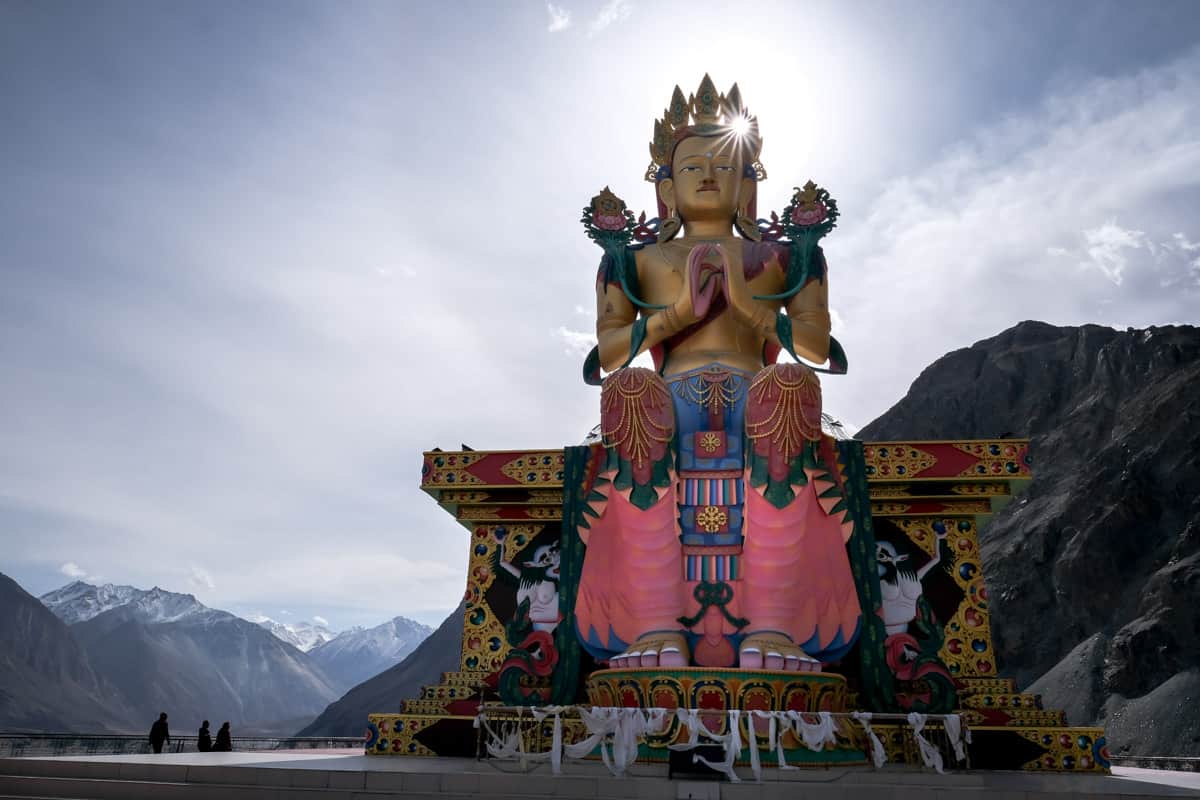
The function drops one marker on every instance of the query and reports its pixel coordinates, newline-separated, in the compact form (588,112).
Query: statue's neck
(707,229)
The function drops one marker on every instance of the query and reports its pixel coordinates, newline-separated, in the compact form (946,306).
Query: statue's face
(706,179)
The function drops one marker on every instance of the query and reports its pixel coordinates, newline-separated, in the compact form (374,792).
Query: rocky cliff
(1095,570)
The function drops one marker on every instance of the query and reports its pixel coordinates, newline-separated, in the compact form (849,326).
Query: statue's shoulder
(648,256)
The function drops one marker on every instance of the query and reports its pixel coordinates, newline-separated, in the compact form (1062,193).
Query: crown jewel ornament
(705,113)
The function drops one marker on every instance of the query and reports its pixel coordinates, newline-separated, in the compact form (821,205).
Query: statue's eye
(724,168)
(691,168)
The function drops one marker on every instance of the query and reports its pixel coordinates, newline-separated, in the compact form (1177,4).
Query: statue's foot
(775,651)
(654,650)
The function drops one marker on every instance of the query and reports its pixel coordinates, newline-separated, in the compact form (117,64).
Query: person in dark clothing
(224,742)
(159,733)
(203,740)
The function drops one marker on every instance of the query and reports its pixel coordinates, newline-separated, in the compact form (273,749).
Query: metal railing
(16,745)
(1176,763)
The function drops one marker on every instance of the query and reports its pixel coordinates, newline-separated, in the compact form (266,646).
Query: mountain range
(109,658)
(303,635)
(165,651)
(357,654)
(386,691)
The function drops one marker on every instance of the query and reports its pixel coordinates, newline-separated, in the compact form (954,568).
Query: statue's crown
(705,113)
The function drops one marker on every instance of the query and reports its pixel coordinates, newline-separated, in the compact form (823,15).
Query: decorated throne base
(716,691)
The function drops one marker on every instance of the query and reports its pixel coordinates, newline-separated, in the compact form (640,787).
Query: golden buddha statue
(721,539)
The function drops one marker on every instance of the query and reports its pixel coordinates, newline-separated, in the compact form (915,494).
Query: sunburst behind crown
(705,113)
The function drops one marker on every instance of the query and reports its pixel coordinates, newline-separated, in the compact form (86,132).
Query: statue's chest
(663,275)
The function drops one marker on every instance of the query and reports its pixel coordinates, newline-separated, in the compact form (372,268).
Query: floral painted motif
(607,215)
(608,212)
(808,206)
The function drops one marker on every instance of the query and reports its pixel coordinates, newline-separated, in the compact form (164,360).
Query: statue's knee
(636,414)
(784,402)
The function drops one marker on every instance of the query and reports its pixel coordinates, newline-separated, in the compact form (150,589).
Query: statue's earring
(669,227)
(748,227)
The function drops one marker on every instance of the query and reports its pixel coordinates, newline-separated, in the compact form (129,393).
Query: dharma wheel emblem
(711,519)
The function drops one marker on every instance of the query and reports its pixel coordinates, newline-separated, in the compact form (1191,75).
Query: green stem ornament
(810,215)
(610,224)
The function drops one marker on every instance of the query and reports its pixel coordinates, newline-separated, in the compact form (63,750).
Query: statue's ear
(747,197)
(666,193)
(747,206)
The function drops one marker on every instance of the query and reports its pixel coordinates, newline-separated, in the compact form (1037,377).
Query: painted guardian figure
(721,538)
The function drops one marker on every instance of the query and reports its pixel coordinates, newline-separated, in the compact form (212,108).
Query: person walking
(203,740)
(159,733)
(224,741)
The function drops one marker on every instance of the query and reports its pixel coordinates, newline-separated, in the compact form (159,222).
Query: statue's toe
(751,658)
(773,651)
(655,650)
(672,657)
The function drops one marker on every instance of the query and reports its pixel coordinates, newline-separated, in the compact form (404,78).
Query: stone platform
(333,775)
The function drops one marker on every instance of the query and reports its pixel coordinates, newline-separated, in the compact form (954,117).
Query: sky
(255,258)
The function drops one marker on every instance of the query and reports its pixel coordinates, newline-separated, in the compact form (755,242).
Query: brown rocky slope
(1094,571)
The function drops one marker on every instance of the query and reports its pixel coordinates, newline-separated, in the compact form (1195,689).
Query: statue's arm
(802,325)
(622,336)
(808,311)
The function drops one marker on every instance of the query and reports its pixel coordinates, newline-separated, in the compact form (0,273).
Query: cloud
(201,579)
(1105,246)
(1063,214)
(612,12)
(576,343)
(560,18)
(72,570)
(317,618)
(259,371)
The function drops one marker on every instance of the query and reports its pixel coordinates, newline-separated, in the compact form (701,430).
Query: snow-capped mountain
(165,650)
(78,602)
(304,634)
(360,653)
